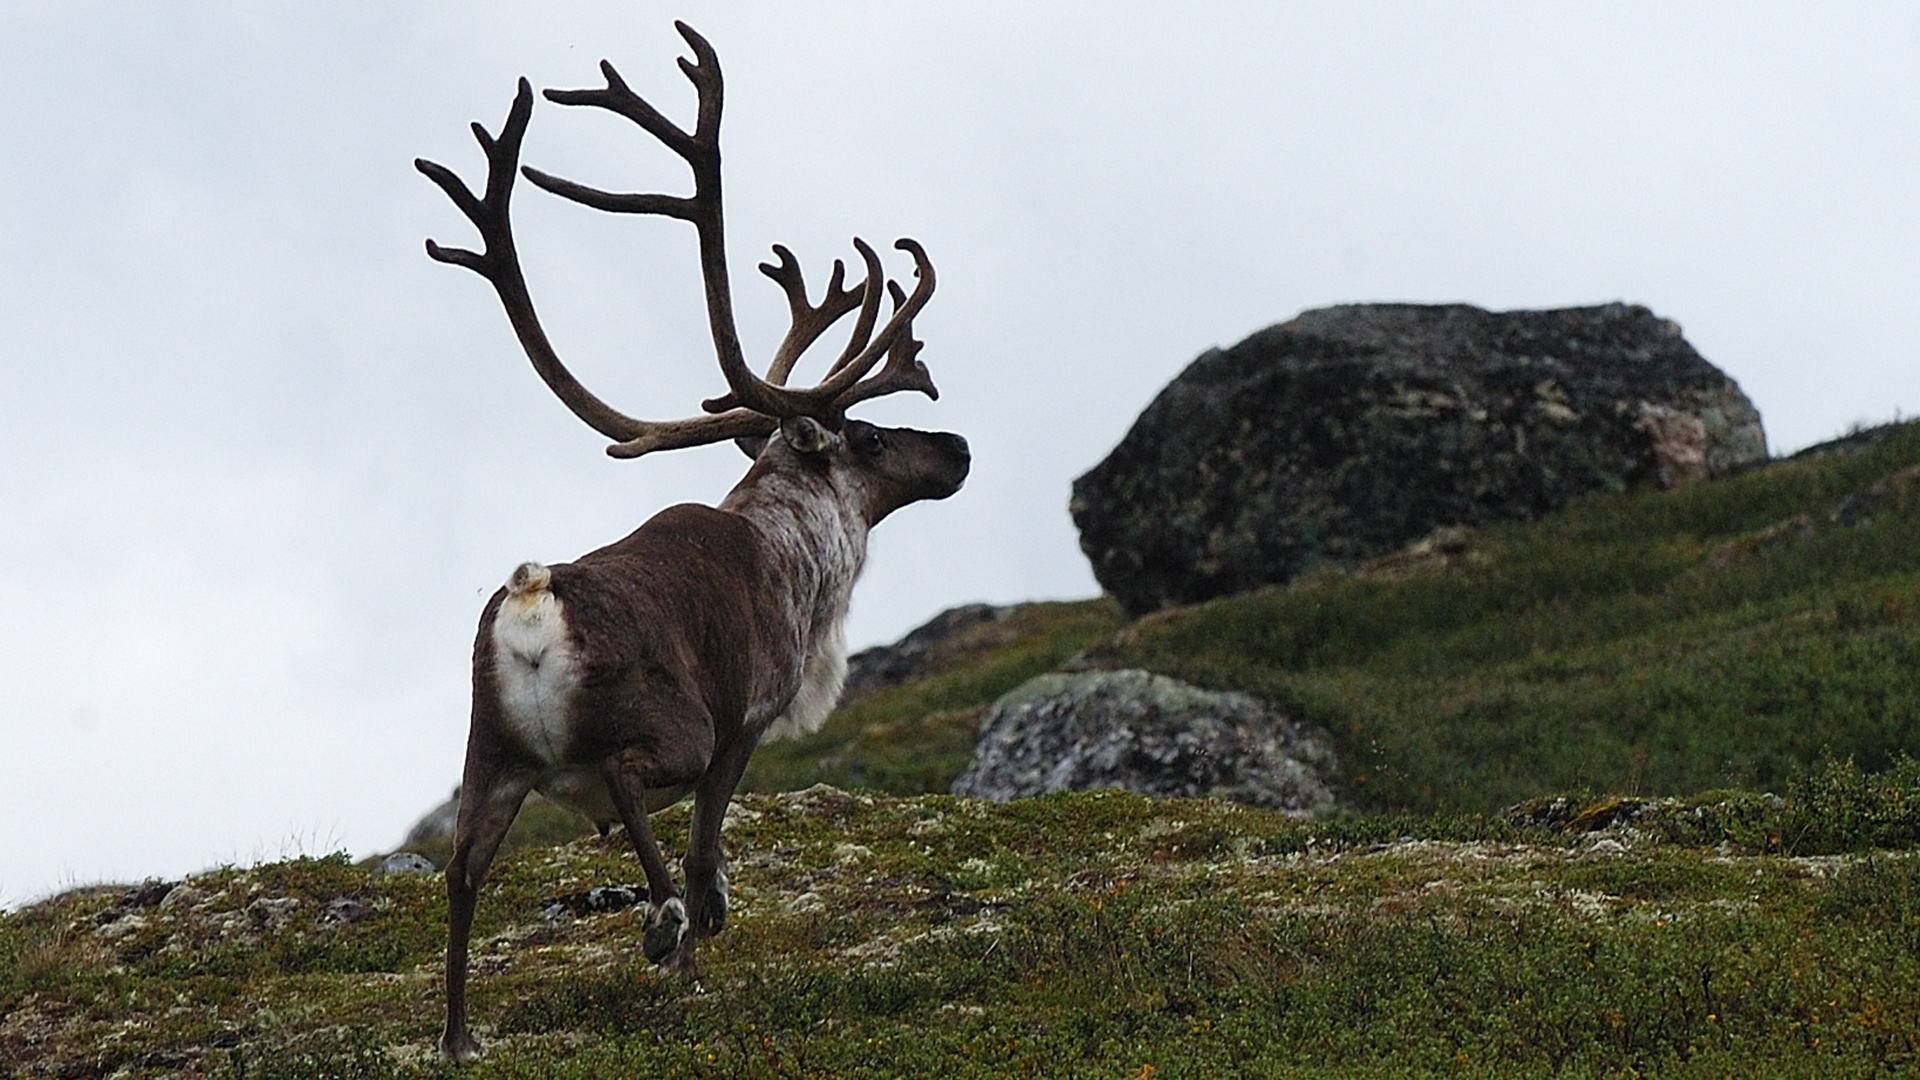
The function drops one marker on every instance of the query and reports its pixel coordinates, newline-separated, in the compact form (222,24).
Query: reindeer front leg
(676,754)
(666,913)
(706,861)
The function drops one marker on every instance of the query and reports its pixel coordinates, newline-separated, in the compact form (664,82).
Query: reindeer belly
(581,790)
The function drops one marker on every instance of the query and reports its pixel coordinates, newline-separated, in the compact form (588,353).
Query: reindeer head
(882,469)
(877,469)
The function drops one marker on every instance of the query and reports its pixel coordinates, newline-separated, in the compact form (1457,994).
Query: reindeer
(650,668)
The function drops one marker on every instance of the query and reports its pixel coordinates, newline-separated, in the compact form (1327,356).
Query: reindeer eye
(869,443)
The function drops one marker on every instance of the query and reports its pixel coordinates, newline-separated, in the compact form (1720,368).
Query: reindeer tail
(528,579)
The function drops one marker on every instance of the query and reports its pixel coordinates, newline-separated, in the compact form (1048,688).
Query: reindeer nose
(959,460)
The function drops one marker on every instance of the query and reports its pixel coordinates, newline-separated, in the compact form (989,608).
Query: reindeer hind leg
(488,805)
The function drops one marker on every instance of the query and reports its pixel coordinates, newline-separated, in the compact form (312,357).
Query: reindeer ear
(807,435)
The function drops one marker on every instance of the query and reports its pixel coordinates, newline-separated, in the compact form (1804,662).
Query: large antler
(752,405)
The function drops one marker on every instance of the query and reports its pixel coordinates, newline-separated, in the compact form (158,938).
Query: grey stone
(130,923)
(343,910)
(1353,431)
(597,899)
(1146,733)
(271,913)
(182,896)
(405,862)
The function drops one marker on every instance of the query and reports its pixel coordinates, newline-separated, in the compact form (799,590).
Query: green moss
(1723,635)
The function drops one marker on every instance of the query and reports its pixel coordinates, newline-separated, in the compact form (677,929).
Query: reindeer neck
(815,538)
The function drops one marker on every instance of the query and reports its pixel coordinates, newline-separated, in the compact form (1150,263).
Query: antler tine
(701,151)
(618,98)
(704,73)
(869,309)
(903,370)
(900,323)
(824,401)
(808,321)
(499,263)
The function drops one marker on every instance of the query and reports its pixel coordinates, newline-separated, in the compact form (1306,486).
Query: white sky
(267,459)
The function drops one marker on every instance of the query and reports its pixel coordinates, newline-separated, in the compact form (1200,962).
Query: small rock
(613,897)
(405,862)
(182,896)
(149,893)
(597,899)
(271,914)
(347,909)
(130,923)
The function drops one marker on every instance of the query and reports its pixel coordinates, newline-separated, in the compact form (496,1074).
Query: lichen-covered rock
(1145,733)
(405,862)
(1354,430)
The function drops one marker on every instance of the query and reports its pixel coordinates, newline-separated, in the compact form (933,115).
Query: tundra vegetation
(1628,795)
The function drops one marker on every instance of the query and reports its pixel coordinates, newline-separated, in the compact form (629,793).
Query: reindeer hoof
(713,913)
(462,1049)
(683,965)
(665,927)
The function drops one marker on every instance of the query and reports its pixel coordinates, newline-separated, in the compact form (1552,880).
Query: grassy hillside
(1091,935)
(1727,634)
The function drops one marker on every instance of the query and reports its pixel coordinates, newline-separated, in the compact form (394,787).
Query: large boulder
(1079,731)
(1354,430)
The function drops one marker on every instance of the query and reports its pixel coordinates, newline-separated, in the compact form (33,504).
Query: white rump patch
(534,663)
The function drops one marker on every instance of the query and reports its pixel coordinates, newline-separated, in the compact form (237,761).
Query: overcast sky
(266,459)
